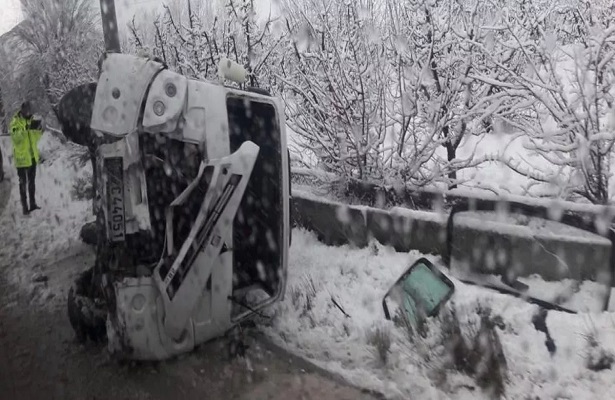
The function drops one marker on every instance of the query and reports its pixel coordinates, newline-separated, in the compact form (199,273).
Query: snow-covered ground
(31,243)
(358,279)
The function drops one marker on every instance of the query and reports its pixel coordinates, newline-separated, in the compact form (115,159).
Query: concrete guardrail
(480,241)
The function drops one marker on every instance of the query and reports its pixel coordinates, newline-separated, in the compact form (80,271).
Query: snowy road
(38,360)
(38,356)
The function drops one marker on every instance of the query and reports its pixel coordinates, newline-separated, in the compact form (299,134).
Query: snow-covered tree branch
(568,88)
(61,39)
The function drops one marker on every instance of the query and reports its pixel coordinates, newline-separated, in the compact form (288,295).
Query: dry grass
(597,358)
(302,298)
(379,337)
(295,296)
(470,346)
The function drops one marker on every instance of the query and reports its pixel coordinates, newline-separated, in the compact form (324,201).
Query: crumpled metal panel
(120,93)
(135,331)
(206,118)
(165,102)
(184,283)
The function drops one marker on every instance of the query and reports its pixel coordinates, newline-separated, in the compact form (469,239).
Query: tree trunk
(451,154)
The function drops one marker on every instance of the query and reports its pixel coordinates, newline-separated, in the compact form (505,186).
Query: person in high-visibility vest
(26,132)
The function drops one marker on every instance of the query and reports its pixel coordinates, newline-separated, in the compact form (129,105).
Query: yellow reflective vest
(25,141)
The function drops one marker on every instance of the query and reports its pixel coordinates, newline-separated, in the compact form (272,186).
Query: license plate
(115,199)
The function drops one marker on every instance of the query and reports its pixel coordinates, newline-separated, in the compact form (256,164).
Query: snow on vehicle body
(192,204)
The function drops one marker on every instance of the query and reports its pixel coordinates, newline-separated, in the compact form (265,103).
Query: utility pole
(110,29)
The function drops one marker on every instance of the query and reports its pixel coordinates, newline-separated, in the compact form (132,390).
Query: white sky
(10,15)
(126,9)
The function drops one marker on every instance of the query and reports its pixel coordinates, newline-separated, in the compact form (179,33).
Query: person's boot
(31,194)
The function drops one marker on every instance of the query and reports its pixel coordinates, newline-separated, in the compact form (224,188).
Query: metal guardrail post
(110,28)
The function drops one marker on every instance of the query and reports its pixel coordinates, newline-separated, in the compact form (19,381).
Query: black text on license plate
(115,199)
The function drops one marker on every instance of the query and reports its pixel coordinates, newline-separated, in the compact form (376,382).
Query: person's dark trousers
(27,177)
(1,167)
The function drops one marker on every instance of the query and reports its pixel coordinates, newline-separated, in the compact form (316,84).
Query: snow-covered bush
(191,37)
(436,99)
(334,81)
(391,90)
(564,90)
(374,90)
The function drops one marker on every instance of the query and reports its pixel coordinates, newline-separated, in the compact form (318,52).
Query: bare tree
(375,88)
(61,38)
(335,82)
(436,100)
(391,89)
(19,81)
(568,92)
